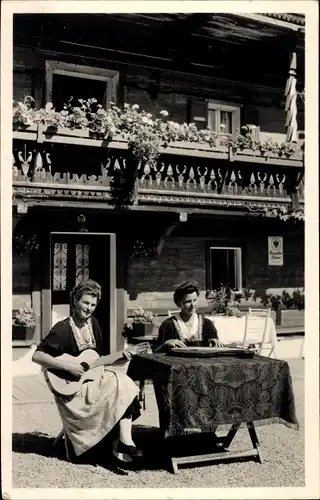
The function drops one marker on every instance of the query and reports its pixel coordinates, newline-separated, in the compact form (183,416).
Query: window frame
(238,264)
(225,106)
(111,77)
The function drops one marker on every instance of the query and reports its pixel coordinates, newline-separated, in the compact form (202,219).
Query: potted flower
(24,324)
(233,305)
(274,302)
(287,300)
(223,301)
(142,322)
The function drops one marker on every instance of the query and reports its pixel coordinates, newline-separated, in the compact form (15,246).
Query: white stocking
(125,425)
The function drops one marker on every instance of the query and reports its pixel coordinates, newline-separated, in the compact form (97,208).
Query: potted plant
(298,299)
(224,301)
(233,305)
(142,322)
(24,324)
(274,302)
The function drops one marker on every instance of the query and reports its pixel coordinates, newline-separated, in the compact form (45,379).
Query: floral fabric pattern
(199,394)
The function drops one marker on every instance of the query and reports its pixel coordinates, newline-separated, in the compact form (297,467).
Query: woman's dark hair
(186,287)
(89,287)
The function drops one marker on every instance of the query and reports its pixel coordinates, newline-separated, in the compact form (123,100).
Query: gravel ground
(37,465)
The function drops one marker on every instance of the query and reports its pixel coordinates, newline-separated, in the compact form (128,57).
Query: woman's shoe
(121,454)
(130,450)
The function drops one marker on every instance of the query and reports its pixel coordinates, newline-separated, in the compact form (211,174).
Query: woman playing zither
(187,328)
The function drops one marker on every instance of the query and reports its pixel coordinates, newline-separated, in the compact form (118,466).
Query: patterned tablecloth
(197,394)
(231,329)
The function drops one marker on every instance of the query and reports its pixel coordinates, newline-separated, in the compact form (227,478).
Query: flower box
(22,332)
(84,136)
(24,324)
(141,329)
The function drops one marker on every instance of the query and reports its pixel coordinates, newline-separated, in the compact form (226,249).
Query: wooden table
(189,392)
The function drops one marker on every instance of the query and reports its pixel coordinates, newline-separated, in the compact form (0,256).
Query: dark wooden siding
(184,97)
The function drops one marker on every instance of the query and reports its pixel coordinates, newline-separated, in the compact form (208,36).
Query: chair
(171,313)
(259,312)
(63,435)
(255,332)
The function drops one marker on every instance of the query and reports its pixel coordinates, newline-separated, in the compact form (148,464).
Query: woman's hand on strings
(175,343)
(215,343)
(75,369)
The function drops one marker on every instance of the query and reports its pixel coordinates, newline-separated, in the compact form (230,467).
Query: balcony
(69,166)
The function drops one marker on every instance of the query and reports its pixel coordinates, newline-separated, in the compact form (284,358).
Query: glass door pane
(212,120)
(226,122)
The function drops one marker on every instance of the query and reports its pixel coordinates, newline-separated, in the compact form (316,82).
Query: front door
(77,257)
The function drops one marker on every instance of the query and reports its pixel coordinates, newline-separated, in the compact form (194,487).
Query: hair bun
(184,288)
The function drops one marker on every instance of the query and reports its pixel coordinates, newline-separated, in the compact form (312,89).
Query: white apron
(92,412)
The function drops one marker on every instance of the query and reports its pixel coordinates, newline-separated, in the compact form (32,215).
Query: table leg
(254,440)
(227,440)
(174,464)
(223,454)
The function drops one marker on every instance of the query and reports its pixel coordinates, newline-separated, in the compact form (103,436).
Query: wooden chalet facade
(199,211)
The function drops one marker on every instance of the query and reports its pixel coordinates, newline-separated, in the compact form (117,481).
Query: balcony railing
(71,165)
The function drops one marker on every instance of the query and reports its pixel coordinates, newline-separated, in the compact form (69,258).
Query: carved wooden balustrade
(58,167)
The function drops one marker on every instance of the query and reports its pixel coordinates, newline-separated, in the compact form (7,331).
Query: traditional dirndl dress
(90,414)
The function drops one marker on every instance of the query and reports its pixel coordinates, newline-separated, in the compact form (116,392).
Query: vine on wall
(285,214)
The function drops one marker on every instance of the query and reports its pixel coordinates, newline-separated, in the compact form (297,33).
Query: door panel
(99,270)
(75,258)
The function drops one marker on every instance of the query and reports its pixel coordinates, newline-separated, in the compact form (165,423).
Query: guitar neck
(107,360)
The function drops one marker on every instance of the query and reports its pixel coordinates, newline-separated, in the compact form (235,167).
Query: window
(223,118)
(225,267)
(64,81)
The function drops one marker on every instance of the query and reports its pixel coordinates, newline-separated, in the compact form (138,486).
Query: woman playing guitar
(99,403)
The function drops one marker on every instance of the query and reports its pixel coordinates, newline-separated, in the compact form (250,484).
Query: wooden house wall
(151,283)
(184,97)
(21,281)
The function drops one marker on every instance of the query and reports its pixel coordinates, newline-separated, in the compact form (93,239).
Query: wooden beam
(126,59)
(236,212)
(45,286)
(273,22)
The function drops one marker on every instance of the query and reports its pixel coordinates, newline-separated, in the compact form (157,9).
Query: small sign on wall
(275,251)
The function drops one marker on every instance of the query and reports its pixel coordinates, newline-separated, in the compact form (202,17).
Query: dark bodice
(60,339)
(168,331)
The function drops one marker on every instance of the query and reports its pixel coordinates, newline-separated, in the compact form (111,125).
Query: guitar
(63,383)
